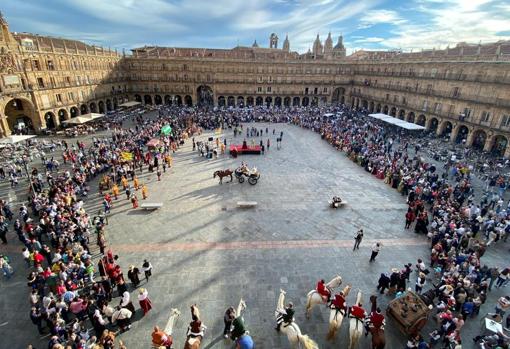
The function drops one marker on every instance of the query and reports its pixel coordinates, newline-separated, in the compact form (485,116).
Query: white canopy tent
(79,120)
(15,139)
(397,122)
(129,104)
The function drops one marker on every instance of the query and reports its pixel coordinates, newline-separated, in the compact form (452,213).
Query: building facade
(461,92)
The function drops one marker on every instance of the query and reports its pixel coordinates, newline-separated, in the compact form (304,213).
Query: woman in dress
(145,302)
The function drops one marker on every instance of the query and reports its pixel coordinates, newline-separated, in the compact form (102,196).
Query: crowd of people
(68,290)
(56,231)
(443,207)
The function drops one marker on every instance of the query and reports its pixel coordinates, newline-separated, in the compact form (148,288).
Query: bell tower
(273,41)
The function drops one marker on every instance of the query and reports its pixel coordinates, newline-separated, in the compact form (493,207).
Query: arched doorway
(49,118)
(296,102)
(371,107)
(93,107)
(499,145)
(62,115)
(109,106)
(364,104)
(147,99)
(447,128)
(205,96)
(20,116)
(385,110)
(433,124)
(286,102)
(315,101)
(479,139)
(101,107)
(378,109)
(168,100)
(393,112)
(410,117)
(305,101)
(221,101)
(338,95)
(249,101)
(138,98)
(231,101)
(462,134)
(188,100)
(84,109)
(74,112)
(240,102)
(269,101)
(116,103)
(278,101)
(178,100)
(422,120)
(402,114)
(259,101)
(158,100)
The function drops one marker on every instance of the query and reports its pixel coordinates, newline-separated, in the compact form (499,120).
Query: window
(36,65)
(52,82)
(425,105)
(505,121)
(40,82)
(306,90)
(429,89)
(437,108)
(58,96)
(315,91)
(325,90)
(269,89)
(404,101)
(387,96)
(259,89)
(70,96)
(50,65)
(456,92)
(486,116)
(68,80)
(467,112)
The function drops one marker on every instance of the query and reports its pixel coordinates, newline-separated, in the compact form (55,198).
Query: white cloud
(455,21)
(374,17)
(369,40)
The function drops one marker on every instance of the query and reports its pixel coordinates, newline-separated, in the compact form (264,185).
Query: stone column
(455,131)
(5,130)
(488,143)
(470,137)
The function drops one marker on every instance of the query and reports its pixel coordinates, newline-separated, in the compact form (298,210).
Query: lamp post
(25,166)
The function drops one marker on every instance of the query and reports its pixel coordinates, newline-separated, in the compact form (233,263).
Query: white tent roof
(129,104)
(397,122)
(15,139)
(83,119)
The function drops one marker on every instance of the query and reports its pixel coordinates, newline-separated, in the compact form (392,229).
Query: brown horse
(193,341)
(223,173)
(378,339)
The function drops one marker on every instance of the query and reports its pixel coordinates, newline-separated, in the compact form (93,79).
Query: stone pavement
(207,251)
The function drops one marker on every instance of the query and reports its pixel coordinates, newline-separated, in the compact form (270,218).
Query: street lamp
(25,166)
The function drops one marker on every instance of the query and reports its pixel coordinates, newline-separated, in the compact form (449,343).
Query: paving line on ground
(259,245)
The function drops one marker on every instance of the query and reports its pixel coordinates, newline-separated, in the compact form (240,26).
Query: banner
(126,156)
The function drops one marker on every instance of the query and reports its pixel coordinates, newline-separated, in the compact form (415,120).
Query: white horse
(294,335)
(336,317)
(314,297)
(169,327)
(355,327)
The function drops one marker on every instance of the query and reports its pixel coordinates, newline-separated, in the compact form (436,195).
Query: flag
(166,130)
(126,156)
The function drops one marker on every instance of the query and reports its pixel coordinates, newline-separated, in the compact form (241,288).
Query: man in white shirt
(375,251)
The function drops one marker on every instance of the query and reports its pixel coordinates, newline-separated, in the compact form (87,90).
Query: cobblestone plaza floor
(207,251)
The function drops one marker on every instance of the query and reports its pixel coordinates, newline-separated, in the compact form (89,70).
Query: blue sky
(369,24)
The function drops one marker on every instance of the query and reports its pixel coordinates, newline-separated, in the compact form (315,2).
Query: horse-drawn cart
(410,313)
(253,175)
